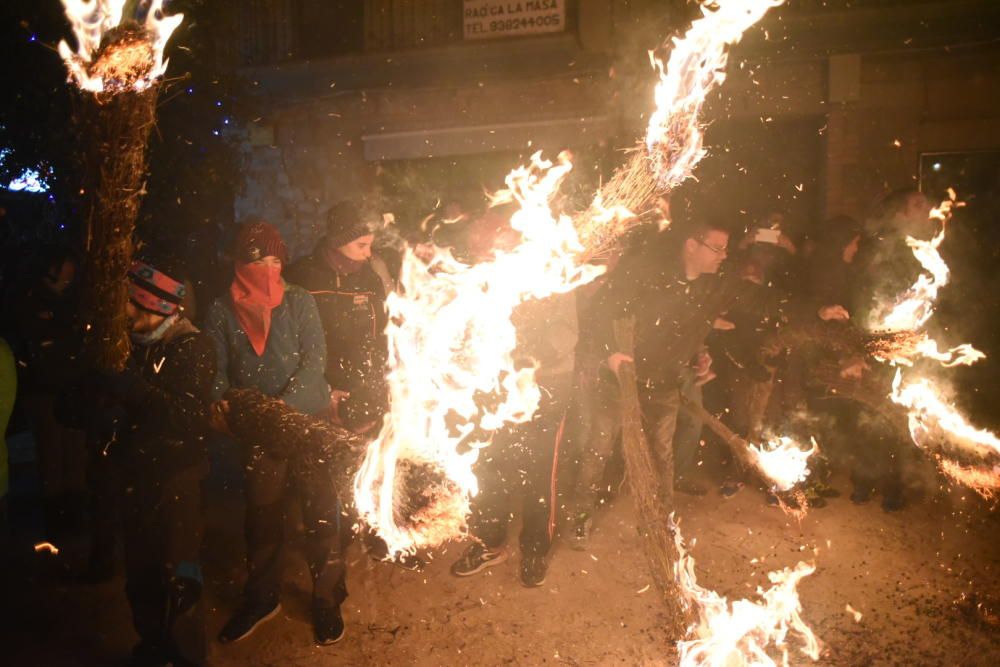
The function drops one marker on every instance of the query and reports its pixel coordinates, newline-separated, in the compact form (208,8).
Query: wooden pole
(740,448)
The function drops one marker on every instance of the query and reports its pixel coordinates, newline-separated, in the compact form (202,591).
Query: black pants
(328,532)
(875,452)
(522,458)
(660,416)
(163,529)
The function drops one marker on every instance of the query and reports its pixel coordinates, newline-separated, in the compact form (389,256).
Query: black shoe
(892,502)
(690,488)
(533,569)
(147,654)
(771,500)
(246,619)
(581,533)
(827,491)
(730,488)
(328,625)
(860,495)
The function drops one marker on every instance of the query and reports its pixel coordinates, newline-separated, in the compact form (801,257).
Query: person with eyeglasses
(675,297)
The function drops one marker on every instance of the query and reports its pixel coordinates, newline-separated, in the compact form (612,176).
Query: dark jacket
(152,417)
(673,315)
(291,367)
(352,309)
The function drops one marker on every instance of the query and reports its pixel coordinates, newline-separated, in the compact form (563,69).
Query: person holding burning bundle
(523,457)
(154,419)
(675,306)
(269,337)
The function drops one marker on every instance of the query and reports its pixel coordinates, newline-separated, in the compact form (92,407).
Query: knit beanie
(344,224)
(256,240)
(153,290)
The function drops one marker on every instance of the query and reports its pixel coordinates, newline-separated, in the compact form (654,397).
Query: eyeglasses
(717,251)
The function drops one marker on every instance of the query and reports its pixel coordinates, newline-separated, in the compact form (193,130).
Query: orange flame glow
(783,461)
(92,20)
(935,423)
(915,306)
(931,417)
(696,65)
(741,632)
(451,339)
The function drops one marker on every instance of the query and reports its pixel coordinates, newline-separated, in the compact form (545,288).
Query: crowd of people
(128,451)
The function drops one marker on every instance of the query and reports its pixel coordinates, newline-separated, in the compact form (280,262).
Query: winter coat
(151,418)
(294,358)
(673,315)
(352,309)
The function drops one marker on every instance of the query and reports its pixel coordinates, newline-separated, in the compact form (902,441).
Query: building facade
(827,104)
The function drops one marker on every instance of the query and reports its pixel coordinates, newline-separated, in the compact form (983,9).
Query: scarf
(256,290)
(150,337)
(339,263)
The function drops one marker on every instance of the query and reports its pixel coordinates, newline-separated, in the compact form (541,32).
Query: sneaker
(892,501)
(730,488)
(328,625)
(246,619)
(476,559)
(861,495)
(581,533)
(533,569)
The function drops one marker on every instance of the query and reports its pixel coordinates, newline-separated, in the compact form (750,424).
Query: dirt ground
(903,572)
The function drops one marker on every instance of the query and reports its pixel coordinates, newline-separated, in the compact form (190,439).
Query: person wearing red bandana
(268,336)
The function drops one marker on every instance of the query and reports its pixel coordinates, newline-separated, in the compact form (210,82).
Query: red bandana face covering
(257,289)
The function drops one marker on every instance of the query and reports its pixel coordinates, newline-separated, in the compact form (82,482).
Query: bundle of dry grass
(652,487)
(423,496)
(113,126)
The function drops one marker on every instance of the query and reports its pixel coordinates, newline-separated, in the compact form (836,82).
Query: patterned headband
(153,290)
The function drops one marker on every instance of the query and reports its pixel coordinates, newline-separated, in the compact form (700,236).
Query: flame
(931,418)
(697,64)
(450,335)
(47,547)
(915,306)
(136,67)
(451,341)
(741,632)
(960,355)
(783,461)
(933,422)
